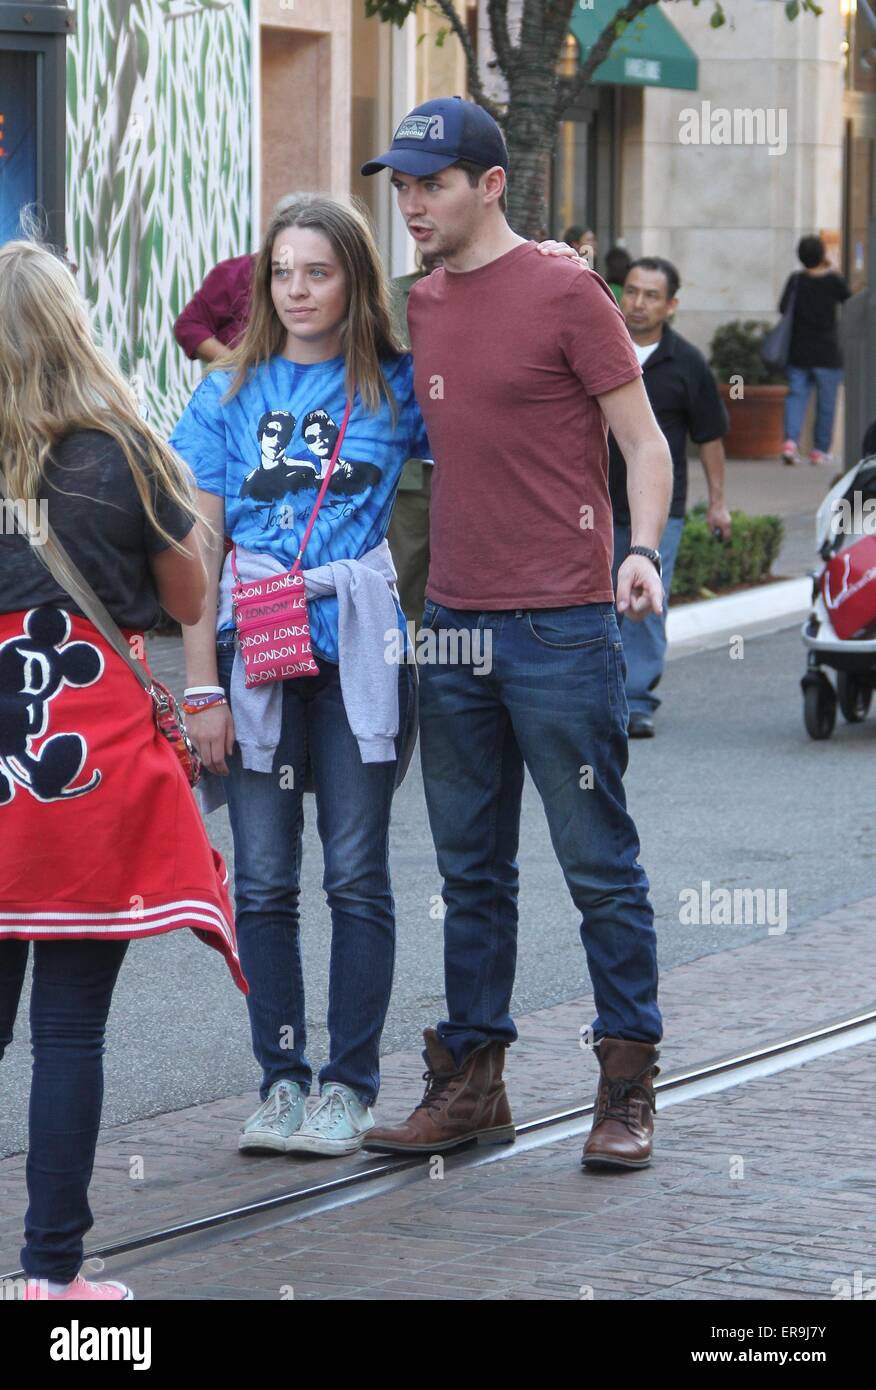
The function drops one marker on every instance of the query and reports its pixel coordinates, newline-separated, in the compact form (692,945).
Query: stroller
(840,631)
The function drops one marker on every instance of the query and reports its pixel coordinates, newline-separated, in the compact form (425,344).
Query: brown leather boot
(458,1105)
(623,1125)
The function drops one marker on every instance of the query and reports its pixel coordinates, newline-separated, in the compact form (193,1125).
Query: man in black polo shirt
(685,400)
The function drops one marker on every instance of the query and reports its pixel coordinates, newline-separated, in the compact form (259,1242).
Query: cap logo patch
(418,127)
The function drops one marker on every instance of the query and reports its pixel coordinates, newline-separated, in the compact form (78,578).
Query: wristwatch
(652,555)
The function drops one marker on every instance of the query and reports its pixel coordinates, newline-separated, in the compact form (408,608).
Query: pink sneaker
(789,452)
(817,457)
(80,1291)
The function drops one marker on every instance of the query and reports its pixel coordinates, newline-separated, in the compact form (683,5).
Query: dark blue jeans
(266,811)
(553,701)
(827,382)
(72,988)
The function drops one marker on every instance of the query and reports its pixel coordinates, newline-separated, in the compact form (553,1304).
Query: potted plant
(753,395)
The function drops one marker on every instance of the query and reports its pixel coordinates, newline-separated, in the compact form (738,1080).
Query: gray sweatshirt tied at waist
(369,682)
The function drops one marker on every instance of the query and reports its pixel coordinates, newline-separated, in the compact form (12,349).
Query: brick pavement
(794,1216)
(713,1006)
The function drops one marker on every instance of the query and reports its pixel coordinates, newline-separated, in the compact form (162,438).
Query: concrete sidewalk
(799,1199)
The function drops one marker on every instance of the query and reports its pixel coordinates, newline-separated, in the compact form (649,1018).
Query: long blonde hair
(54,379)
(367,334)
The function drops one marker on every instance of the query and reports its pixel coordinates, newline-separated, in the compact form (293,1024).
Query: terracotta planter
(756,422)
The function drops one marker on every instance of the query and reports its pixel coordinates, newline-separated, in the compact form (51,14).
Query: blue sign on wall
(18,138)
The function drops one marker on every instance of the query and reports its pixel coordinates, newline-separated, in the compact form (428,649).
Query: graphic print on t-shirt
(34,666)
(280,476)
(264,449)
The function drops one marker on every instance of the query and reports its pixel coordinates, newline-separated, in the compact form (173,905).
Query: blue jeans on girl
(266,811)
(72,987)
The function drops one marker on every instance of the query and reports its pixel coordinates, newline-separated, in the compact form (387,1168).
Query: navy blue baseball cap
(440,132)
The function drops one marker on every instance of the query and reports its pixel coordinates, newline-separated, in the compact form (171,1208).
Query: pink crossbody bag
(270,615)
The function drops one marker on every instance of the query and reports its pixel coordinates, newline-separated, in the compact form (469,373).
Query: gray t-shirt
(93,505)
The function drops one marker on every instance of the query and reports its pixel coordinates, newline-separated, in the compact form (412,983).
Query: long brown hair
(367,333)
(54,379)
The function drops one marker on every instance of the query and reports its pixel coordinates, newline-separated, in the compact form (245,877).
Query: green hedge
(706,563)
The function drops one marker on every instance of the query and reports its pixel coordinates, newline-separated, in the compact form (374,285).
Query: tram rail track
(385,1174)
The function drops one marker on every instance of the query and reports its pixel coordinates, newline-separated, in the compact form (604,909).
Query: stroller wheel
(819,707)
(854,697)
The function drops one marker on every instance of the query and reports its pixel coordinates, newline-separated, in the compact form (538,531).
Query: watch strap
(650,554)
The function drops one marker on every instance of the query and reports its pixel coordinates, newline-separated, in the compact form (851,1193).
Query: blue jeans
(645,641)
(353,802)
(553,701)
(72,987)
(826,381)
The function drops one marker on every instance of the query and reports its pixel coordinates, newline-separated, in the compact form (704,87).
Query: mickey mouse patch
(34,666)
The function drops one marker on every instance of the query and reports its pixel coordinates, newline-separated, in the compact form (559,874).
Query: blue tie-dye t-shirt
(266,449)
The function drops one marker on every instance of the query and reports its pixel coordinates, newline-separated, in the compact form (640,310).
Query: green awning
(649,53)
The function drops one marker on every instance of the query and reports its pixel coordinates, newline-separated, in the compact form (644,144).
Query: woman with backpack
(102,839)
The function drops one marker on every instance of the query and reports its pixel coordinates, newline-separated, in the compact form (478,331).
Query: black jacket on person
(814,338)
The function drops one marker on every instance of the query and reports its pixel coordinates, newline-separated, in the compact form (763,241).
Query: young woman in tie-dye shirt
(259,433)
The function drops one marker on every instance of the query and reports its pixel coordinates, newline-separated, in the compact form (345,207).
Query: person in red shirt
(521,362)
(215,316)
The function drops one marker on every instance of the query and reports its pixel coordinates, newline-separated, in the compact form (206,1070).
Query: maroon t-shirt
(508,362)
(219,309)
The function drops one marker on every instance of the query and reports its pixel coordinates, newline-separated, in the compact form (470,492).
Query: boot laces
(621,1094)
(436,1087)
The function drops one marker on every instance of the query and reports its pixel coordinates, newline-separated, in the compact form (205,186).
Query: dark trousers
(72,988)
(546,693)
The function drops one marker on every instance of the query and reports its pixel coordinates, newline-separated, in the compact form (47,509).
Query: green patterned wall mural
(158,172)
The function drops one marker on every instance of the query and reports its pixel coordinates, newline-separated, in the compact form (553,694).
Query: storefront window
(573,177)
(583,187)
(18,138)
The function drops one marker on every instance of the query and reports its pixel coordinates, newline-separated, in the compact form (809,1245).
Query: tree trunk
(531,119)
(531,136)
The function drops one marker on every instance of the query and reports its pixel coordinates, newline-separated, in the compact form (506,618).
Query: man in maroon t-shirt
(521,362)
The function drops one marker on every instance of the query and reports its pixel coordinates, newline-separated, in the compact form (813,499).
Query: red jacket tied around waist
(101,835)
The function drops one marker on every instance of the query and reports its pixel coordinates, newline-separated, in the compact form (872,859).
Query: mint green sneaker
(337,1125)
(276,1121)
